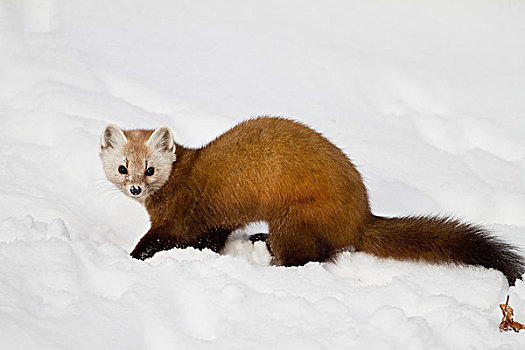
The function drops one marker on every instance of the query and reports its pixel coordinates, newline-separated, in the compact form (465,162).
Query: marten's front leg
(156,240)
(214,239)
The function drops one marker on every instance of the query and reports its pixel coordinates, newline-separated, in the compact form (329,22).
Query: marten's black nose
(135,190)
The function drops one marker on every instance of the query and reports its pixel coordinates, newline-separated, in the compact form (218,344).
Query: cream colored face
(138,162)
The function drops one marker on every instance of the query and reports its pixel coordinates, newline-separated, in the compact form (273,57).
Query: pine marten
(284,173)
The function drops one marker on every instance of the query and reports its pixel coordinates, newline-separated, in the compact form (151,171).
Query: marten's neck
(185,157)
(179,171)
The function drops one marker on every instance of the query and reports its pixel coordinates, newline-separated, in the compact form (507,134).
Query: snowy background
(426,97)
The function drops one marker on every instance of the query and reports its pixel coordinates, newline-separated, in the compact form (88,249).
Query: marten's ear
(112,136)
(162,139)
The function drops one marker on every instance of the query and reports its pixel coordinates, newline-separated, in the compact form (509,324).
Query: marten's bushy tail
(440,240)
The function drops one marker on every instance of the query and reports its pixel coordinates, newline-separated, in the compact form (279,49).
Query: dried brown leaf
(507,323)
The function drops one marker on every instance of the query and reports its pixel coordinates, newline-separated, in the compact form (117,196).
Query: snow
(425,97)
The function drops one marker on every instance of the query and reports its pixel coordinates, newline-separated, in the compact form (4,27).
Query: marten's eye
(122,169)
(149,171)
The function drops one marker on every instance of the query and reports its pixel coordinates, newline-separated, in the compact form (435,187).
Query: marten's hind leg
(295,240)
(261,237)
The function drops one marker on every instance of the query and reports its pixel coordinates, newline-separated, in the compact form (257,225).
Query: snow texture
(426,97)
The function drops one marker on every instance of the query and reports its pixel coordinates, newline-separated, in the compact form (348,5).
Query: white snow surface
(426,97)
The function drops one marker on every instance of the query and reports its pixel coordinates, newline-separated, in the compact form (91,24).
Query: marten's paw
(149,245)
(142,254)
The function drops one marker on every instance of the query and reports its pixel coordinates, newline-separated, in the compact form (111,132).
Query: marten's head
(138,162)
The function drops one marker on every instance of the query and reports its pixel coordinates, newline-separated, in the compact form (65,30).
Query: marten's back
(266,165)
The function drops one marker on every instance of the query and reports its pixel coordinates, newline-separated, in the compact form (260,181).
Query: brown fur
(310,194)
